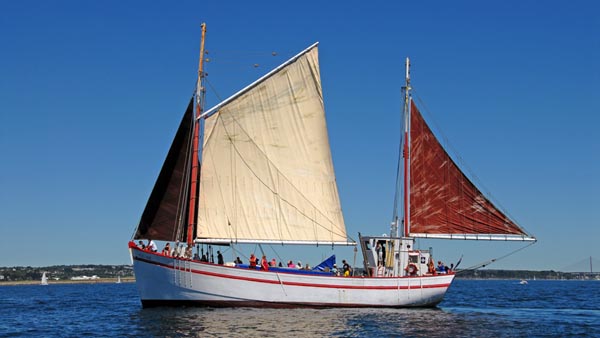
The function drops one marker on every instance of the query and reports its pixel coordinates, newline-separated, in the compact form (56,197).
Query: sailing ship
(265,176)
(44,280)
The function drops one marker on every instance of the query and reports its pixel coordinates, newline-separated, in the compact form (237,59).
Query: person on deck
(220,258)
(430,266)
(167,250)
(264,265)
(175,251)
(238,261)
(335,270)
(152,246)
(440,267)
(273,262)
(141,245)
(252,262)
(291,264)
(299,265)
(346,268)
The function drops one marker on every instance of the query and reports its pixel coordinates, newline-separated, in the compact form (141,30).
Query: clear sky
(91,94)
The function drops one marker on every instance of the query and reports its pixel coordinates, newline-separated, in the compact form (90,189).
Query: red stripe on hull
(334,286)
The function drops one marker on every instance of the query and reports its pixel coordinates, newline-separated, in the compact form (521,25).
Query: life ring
(411,269)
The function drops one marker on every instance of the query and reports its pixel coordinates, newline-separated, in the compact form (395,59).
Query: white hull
(168,281)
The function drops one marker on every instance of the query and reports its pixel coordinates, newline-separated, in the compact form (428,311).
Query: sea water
(481,308)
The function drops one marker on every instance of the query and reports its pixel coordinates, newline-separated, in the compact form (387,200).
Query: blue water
(470,309)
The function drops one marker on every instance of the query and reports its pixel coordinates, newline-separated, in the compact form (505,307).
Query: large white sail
(267,173)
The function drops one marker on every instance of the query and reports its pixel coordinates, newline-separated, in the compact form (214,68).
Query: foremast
(195,143)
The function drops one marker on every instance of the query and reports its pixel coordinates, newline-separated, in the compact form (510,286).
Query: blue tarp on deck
(326,265)
(317,270)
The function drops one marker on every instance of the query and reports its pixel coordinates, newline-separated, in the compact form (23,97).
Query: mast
(195,143)
(406,151)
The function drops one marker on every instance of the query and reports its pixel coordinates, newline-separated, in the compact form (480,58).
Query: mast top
(407,87)
(201,61)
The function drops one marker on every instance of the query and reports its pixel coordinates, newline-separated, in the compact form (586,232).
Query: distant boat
(118,280)
(44,279)
(523,282)
(267,178)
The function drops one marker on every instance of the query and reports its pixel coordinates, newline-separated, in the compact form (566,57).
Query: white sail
(267,173)
(44,279)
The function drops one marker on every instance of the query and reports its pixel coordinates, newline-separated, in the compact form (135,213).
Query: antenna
(407,72)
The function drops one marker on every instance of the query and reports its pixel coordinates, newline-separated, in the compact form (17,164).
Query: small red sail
(442,199)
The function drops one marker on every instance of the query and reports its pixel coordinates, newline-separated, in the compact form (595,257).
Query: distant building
(85,277)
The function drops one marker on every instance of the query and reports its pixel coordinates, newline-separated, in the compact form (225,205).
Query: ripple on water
(471,309)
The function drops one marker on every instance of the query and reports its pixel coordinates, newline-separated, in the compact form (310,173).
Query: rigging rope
(276,253)
(237,252)
(399,187)
(212,88)
(494,260)
(180,228)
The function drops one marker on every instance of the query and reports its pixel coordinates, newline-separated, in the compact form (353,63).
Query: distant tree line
(64,272)
(523,274)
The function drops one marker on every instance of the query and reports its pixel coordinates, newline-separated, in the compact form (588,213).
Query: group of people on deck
(179,250)
(264,263)
(442,268)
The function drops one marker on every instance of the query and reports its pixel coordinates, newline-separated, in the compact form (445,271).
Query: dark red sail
(442,199)
(165,211)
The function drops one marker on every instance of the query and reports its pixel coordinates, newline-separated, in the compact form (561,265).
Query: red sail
(442,199)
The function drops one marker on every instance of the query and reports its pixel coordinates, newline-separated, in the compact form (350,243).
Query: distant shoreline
(68,281)
(132,280)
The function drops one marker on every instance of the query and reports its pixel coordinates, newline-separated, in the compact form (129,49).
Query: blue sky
(91,94)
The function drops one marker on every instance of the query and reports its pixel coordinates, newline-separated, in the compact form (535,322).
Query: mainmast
(406,151)
(195,143)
